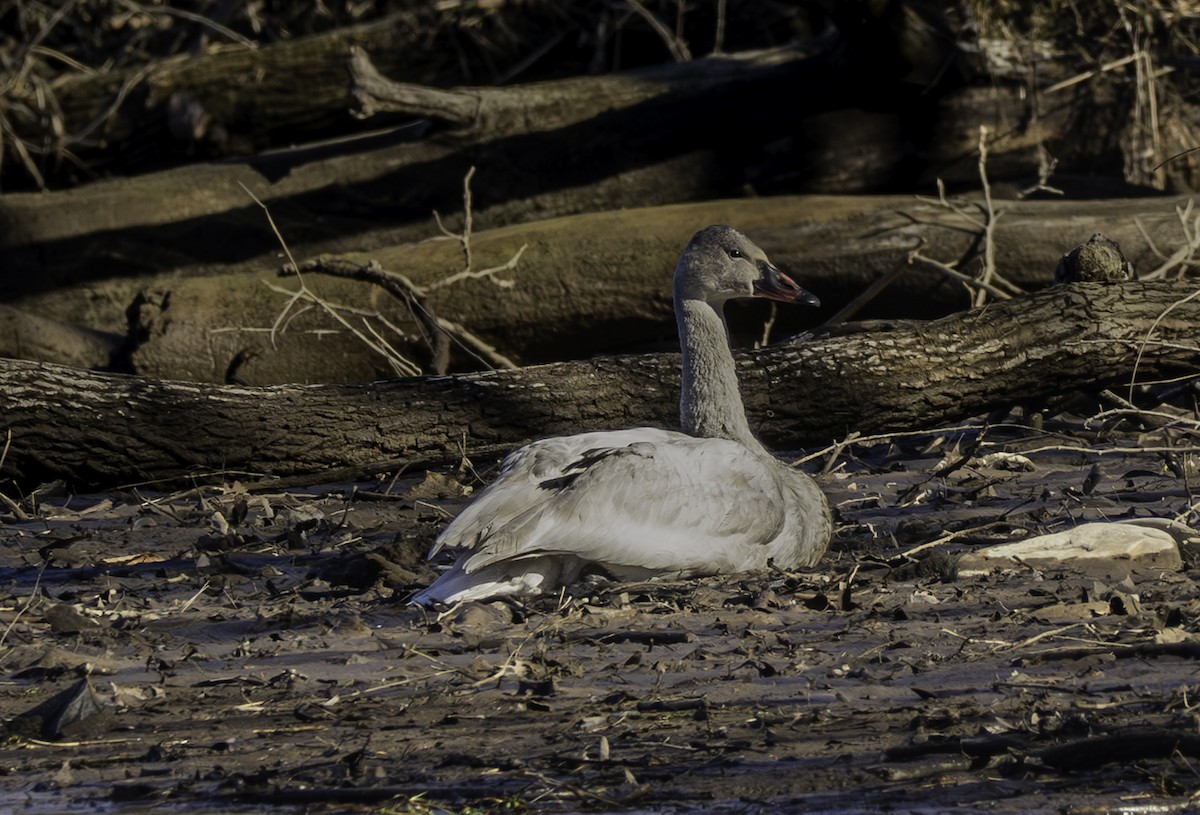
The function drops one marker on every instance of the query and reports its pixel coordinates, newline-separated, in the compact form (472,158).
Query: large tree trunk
(101,429)
(655,136)
(597,283)
(655,142)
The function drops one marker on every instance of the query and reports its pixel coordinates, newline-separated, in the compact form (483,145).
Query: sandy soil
(249,648)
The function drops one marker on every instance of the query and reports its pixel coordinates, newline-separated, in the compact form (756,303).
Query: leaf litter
(249,646)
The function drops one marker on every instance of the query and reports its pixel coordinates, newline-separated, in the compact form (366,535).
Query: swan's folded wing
(531,476)
(686,506)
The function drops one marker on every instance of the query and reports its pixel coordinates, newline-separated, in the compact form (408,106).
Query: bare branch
(677,47)
(989,242)
(966,279)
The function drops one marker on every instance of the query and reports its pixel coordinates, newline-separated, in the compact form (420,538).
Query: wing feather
(668,503)
(527,480)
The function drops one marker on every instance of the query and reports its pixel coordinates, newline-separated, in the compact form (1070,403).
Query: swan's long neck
(710,404)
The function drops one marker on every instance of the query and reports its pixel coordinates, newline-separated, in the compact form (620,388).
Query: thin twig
(943,201)
(105,115)
(1146,340)
(401,365)
(983,285)
(1107,451)
(191,600)
(1086,75)
(7,446)
(33,595)
(1191,510)
(989,228)
(69,61)
(435,330)
(768,327)
(467,274)
(1057,632)
(576,790)
(193,17)
(1183,256)
(464,238)
(836,450)
(1171,158)
(1160,418)
(295,296)
(1137,221)
(403,288)
(870,293)
(18,145)
(17,78)
(954,274)
(950,536)
(381,341)
(13,506)
(859,440)
(274,228)
(677,47)
(468,217)
(475,345)
(1046,165)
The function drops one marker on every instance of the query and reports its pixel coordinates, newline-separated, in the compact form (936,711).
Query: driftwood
(193,88)
(654,146)
(890,74)
(545,149)
(95,429)
(236,99)
(600,283)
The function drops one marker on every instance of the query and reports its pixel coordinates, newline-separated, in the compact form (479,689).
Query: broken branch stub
(376,93)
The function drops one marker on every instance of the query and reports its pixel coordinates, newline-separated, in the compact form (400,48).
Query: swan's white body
(644,503)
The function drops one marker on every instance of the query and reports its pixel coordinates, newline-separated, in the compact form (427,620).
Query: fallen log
(213,92)
(232,99)
(94,429)
(546,149)
(652,145)
(599,283)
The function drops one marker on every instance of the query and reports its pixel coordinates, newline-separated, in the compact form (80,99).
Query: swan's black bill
(775,285)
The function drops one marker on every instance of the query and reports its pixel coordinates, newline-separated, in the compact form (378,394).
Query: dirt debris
(267,659)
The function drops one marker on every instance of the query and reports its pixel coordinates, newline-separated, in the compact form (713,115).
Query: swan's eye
(736,253)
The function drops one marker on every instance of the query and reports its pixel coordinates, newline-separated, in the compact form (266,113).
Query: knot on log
(1100,260)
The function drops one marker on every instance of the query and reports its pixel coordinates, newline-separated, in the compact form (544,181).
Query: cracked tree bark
(93,430)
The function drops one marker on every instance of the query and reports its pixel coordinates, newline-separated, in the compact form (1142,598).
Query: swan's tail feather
(519,578)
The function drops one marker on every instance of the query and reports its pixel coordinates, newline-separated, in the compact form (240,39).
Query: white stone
(1101,550)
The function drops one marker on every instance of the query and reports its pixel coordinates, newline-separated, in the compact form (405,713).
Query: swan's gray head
(721,263)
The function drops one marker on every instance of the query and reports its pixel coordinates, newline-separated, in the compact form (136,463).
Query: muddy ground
(247,647)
